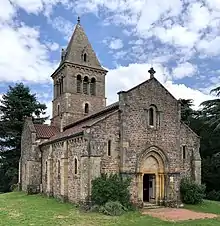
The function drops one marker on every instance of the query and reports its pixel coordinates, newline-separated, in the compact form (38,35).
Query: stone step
(150,206)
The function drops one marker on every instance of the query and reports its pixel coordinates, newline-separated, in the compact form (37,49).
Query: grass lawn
(19,209)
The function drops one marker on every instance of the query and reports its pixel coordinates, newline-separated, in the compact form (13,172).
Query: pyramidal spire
(79,49)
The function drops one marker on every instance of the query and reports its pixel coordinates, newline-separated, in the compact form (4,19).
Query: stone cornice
(61,139)
(79,66)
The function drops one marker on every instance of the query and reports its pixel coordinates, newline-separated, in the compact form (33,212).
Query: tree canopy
(211,110)
(206,123)
(15,105)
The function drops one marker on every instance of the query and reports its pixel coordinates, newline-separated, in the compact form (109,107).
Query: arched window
(58,169)
(84,57)
(86,108)
(85,85)
(93,86)
(75,166)
(151,117)
(78,84)
(58,109)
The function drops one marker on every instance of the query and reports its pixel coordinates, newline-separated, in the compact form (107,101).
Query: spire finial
(78,20)
(152,72)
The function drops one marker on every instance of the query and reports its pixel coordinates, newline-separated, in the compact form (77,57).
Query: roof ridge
(106,109)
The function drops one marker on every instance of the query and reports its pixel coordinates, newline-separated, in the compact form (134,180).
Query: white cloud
(199,16)
(116,44)
(22,56)
(124,78)
(53,46)
(185,69)
(37,6)
(177,36)
(184,92)
(62,25)
(181,24)
(175,26)
(136,42)
(152,11)
(210,47)
(113,43)
(7,11)
(213,4)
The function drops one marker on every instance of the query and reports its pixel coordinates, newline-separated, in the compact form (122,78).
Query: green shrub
(110,188)
(191,192)
(14,187)
(213,195)
(112,208)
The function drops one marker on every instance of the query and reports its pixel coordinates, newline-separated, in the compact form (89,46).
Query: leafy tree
(187,113)
(211,172)
(15,105)
(209,140)
(211,110)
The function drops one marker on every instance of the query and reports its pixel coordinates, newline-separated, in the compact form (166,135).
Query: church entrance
(149,188)
(151,176)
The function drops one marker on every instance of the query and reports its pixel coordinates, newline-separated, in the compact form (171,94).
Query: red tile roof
(79,126)
(45,131)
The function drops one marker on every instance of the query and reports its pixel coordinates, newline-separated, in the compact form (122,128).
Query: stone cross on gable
(152,72)
(78,20)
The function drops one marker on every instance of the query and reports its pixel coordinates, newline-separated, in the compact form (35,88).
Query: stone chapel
(141,136)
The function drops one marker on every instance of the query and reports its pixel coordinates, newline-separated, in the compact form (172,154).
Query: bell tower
(79,81)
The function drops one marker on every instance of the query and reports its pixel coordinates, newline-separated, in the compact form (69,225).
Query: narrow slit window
(61,83)
(78,84)
(84,57)
(184,152)
(151,116)
(58,109)
(109,147)
(86,108)
(76,166)
(46,171)
(58,169)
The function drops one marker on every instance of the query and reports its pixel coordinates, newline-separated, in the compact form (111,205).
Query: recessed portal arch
(151,168)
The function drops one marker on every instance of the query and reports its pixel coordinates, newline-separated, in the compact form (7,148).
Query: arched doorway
(151,172)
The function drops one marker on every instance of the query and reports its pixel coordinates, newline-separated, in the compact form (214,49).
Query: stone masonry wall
(137,135)
(72,103)
(45,170)
(77,147)
(53,157)
(30,170)
(26,145)
(192,142)
(65,184)
(102,132)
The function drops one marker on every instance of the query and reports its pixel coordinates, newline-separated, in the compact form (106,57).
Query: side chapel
(140,136)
